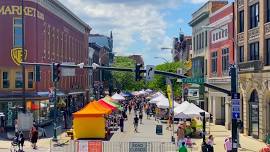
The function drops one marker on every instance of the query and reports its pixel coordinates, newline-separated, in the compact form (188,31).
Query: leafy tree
(159,82)
(125,80)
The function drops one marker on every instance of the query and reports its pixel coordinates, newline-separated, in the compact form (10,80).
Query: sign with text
(90,146)
(138,147)
(68,71)
(193,80)
(236,105)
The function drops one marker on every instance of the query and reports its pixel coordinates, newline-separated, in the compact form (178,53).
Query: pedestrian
(2,126)
(148,112)
(136,123)
(21,140)
(183,148)
(129,108)
(121,124)
(34,137)
(180,134)
(210,143)
(228,144)
(140,117)
(169,122)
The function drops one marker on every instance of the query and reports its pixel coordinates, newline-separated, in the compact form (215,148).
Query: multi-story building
(103,55)
(137,58)
(220,56)
(200,18)
(253,50)
(52,34)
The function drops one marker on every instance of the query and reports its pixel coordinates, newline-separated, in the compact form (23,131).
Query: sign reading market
(17,10)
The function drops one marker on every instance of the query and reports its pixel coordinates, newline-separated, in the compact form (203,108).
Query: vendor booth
(118,97)
(83,121)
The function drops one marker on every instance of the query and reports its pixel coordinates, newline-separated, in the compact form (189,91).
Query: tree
(159,82)
(126,80)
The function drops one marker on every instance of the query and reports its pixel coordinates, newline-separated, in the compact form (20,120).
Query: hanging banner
(169,92)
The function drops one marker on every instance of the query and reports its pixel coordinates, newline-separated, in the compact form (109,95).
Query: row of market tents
(95,113)
(184,110)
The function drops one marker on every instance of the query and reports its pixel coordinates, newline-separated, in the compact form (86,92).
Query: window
(194,43)
(268,11)
(203,40)
(267,58)
(213,36)
(216,36)
(241,21)
(5,78)
(226,33)
(214,62)
(200,41)
(219,34)
(30,79)
(254,15)
(254,51)
(206,39)
(18,80)
(222,36)
(197,43)
(241,54)
(17,32)
(225,59)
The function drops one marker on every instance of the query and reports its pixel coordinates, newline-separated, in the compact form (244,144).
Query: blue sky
(139,26)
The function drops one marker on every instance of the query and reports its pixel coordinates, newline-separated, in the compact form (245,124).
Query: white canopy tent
(179,109)
(118,97)
(165,104)
(194,111)
(158,98)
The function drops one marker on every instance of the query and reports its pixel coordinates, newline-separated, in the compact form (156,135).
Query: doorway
(254,115)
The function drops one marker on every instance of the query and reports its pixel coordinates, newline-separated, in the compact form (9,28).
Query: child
(183,148)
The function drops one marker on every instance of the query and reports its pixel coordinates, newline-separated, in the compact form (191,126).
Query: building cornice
(198,19)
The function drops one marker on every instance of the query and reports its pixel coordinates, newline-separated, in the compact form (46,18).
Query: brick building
(253,45)
(220,56)
(52,34)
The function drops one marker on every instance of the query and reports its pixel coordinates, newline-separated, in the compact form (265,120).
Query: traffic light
(56,72)
(138,76)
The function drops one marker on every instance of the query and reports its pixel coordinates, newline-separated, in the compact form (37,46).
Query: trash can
(159,129)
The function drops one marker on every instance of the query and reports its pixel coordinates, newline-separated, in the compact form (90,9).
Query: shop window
(5,78)
(18,80)
(17,32)
(225,60)
(30,79)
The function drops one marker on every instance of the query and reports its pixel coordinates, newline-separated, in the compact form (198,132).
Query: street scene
(134,76)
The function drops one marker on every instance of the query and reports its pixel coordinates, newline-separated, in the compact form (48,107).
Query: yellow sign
(17,10)
(169,92)
(17,54)
(188,64)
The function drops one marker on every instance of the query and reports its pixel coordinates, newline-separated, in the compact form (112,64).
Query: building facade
(220,56)
(52,34)
(103,55)
(200,45)
(253,48)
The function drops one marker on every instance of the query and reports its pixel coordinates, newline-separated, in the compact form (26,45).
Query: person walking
(21,140)
(180,134)
(183,148)
(140,117)
(136,123)
(228,144)
(121,124)
(129,108)
(34,137)
(210,143)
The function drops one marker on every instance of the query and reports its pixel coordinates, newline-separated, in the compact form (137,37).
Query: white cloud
(132,22)
(197,1)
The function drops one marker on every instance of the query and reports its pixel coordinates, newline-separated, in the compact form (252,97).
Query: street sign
(68,72)
(236,105)
(138,147)
(150,71)
(193,80)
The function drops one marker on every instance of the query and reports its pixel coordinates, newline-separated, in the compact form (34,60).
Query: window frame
(241,57)
(267,11)
(30,80)
(18,87)
(7,79)
(241,21)
(226,59)
(16,25)
(254,17)
(267,53)
(214,56)
(254,51)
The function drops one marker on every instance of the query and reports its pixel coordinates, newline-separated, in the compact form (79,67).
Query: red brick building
(220,56)
(52,34)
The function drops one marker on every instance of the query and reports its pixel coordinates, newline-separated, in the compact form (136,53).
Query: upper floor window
(267,58)
(254,51)
(254,15)
(241,21)
(30,79)
(241,54)
(225,59)
(5,79)
(17,32)
(268,11)
(214,62)
(18,80)
(219,34)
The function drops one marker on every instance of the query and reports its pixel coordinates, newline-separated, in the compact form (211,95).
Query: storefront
(254,115)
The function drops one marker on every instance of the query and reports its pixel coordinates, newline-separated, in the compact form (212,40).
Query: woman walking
(34,137)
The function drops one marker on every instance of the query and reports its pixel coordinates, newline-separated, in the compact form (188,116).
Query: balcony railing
(253,33)
(251,65)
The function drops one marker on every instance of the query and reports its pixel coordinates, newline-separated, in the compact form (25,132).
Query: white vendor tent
(179,109)
(165,104)
(194,111)
(158,98)
(118,97)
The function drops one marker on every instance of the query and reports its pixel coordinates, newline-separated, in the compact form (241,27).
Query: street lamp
(162,59)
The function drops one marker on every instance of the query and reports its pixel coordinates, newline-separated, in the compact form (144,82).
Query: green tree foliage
(126,80)
(159,82)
